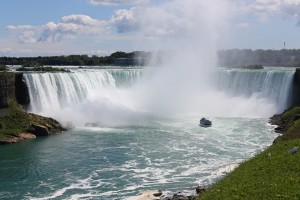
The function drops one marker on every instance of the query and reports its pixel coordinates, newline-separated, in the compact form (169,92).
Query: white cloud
(114,2)
(71,25)
(170,19)
(154,25)
(265,8)
(80,20)
(21,27)
(125,20)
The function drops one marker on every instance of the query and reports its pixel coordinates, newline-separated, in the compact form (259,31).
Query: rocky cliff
(13,87)
(7,88)
(15,123)
(296,88)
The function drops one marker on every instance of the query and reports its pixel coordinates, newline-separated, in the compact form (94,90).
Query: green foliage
(74,60)
(14,121)
(292,133)
(31,63)
(3,68)
(291,113)
(43,69)
(273,174)
(291,118)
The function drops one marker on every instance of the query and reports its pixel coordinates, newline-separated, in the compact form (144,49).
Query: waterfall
(58,90)
(123,95)
(274,85)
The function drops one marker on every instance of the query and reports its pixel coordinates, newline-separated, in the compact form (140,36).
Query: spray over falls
(185,83)
(124,97)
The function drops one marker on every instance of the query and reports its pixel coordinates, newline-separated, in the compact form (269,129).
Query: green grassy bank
(17,125)
(13,120)
(272,174)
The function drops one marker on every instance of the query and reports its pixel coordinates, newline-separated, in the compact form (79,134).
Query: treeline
(246,57)
(120,58)
(226,58)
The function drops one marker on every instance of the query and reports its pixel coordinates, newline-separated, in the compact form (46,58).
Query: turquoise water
(116,163)
(148,136)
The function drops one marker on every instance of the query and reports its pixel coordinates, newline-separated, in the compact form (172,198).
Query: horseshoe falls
(121,94)
(145,136)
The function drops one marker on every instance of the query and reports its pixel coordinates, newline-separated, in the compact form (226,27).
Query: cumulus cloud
(265,8)
(21,27)
(125,20)
(114,2)
(71,25)
(170,19)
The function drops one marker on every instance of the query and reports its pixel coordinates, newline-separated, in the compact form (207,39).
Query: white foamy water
(127,97)
(117,163)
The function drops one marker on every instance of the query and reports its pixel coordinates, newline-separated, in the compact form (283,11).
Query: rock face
(21,90)
(11,139)
(280,123)
(181,196)
(13,87)
(16,124)
(44,126)
(7,88)
(296,88)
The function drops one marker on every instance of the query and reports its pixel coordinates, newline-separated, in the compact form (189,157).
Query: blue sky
(100,27)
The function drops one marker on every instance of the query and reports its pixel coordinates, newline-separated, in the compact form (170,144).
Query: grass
(292,118)
(15,121)
(272,174)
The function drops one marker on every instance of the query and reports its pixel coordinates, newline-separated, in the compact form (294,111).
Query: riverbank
(272,174)
(17,125)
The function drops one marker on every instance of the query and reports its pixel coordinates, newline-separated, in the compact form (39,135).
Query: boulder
(200,190)
(39,130)
(11,139)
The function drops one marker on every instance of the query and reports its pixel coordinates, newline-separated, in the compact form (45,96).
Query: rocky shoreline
(17,125)
(282,125)
(163,195)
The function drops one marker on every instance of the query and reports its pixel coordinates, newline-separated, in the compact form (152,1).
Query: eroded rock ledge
(17,125)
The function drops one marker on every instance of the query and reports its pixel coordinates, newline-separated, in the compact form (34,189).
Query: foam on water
(153,140)
(111,98)
(173,154)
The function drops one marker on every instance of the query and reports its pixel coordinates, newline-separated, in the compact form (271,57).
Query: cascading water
(55,94)
(273,85)
(57,90)
(135,147)
(170,152)
(107,94)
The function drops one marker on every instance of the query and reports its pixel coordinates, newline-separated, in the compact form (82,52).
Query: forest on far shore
(244,57)
(226,58)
